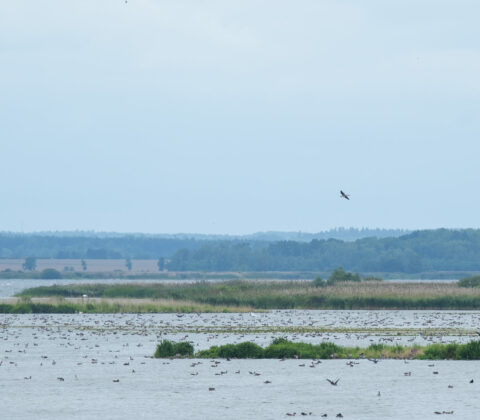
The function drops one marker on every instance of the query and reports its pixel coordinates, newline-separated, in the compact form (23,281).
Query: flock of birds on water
(60,346)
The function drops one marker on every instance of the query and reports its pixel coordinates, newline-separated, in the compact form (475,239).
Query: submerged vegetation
(281,295)
(282,348)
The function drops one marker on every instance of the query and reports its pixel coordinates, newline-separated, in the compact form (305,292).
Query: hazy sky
(239,116)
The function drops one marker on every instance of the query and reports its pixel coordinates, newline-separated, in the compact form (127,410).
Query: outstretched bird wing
(333,382)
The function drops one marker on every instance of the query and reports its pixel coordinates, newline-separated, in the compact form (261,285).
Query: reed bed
(100,305)
(408,290)
(284,294)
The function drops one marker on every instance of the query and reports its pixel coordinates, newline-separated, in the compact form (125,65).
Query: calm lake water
(90,352)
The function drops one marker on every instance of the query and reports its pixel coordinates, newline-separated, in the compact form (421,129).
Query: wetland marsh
(100,364)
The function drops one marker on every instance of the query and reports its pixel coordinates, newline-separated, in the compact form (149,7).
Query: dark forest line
(417,252)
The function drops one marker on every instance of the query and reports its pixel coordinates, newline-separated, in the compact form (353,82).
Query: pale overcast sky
(238,116)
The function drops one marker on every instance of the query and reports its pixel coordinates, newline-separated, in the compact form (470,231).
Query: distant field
(144,268)
(93,265)
(115,268)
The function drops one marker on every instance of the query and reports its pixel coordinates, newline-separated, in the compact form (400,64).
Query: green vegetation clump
(278,349)
(441,351)
(469,351)
(318,282)
(171,349)
(339,275)
(30,264)
(289,350)
(469,282)
(453,351)
(246,350)
(285,349)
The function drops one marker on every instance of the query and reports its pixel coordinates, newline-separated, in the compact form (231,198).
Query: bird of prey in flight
(343,195)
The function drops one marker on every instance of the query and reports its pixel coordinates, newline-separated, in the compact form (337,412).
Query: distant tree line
(421,251)
(88,245)
(82,247)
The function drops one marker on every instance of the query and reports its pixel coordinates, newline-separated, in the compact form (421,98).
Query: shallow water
(378,319)
(91,351)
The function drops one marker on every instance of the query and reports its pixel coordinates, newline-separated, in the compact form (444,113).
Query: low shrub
(469,282)
(469,351)
(210,353)
(245,350)
(318,282)
(50,273)
(281,351)
(183,348)
(339,275)
(283,348)
(171,349)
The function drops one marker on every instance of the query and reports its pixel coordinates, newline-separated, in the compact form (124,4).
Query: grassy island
(261,295)
(282,348)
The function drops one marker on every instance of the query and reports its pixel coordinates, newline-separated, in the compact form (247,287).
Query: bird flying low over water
(334,383)
(343,195)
